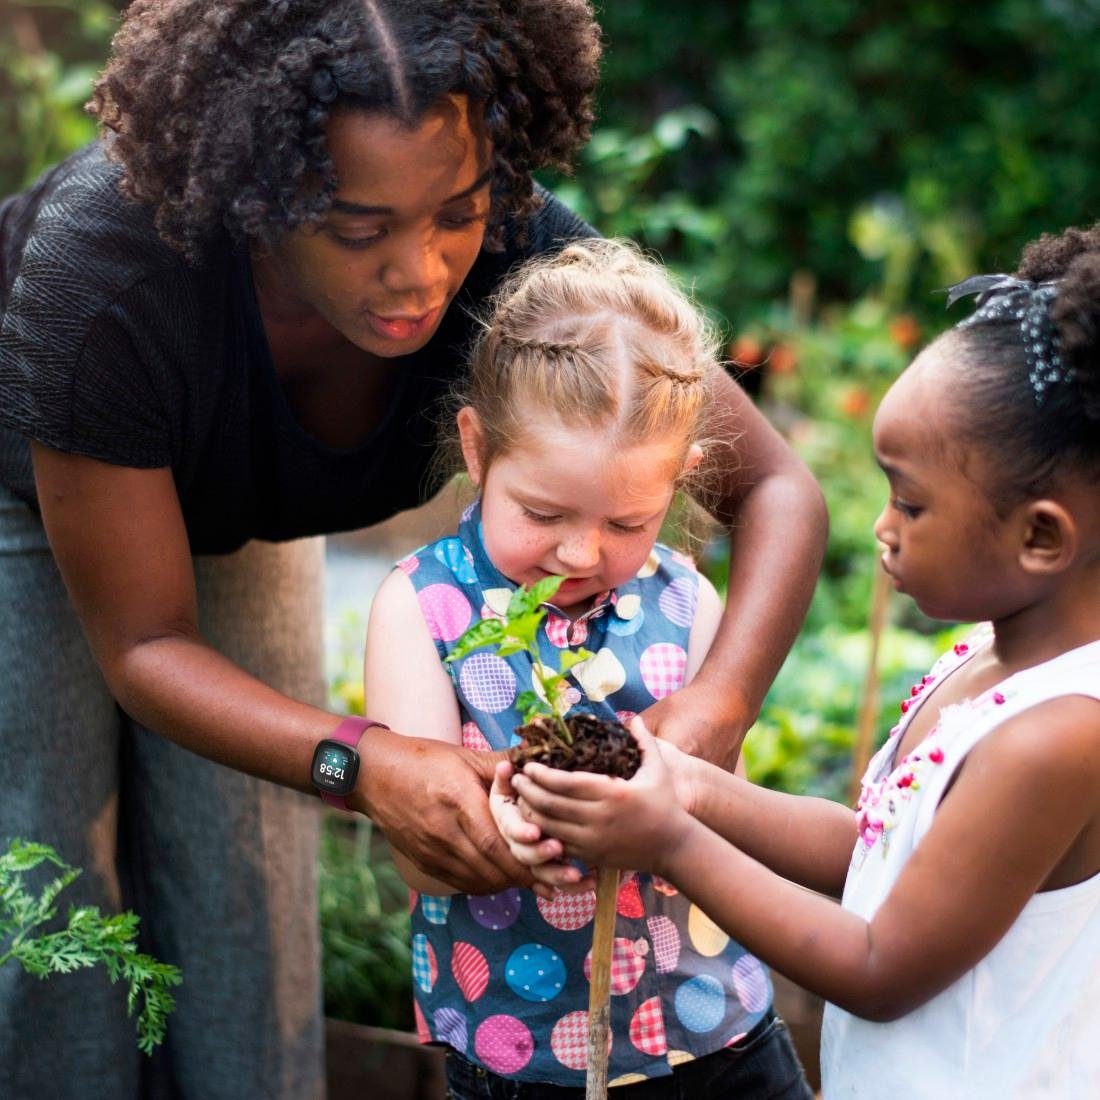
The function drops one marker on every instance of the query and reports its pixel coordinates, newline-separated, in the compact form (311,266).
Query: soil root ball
(599,745)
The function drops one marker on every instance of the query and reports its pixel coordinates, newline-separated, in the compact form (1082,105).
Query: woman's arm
(778,528)
(120,542)
(1024,804)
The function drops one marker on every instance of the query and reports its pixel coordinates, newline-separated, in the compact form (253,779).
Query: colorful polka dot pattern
(627,965)
(425,967)
(706,937)
(496,911)
(457,559)
(750,979)
(535,972)
(435,909)
(473,738)
(446,611)
(488,682)
(568,912)
(701,1003)
(569,1040)
(647,1028)
(471,971)
(504,978)
(450,1026)
(423,1032)
(666,943)
(624,628)
(601,675)
(629,903)
(677,601)
(504,1044)
(663,667)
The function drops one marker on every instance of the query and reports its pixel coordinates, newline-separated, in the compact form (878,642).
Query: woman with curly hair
(226,328)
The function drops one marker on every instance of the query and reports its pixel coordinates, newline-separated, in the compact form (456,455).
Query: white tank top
(1024,1022)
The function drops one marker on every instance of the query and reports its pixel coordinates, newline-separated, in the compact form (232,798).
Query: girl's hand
(543,855)
(609,822)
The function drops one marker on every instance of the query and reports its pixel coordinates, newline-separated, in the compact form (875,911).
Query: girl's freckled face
(570,501)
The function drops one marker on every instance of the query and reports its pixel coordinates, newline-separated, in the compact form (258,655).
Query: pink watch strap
(350,731)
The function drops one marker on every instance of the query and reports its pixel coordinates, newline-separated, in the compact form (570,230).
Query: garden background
(817,170)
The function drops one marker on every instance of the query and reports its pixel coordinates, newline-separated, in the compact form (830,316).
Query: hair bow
(1004,298)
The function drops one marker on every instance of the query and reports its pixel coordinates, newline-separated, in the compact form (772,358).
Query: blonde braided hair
(598,334)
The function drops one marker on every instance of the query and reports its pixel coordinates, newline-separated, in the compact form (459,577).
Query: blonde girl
(588,405)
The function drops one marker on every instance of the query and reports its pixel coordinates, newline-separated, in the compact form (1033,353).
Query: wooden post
(868,707)
(599,989)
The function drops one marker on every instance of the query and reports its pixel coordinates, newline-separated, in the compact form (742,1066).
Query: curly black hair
(1037,441)
(216,109)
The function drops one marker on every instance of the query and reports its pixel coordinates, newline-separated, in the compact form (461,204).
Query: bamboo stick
(869,703)
(599,989)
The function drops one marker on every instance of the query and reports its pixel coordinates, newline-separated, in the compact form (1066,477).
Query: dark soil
(598,746)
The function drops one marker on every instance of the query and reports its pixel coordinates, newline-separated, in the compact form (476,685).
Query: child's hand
(525,840)
(609,822)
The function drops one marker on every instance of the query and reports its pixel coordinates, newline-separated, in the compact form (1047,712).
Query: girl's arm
(778,522)
(1024,803)
(407,688)
(806,840)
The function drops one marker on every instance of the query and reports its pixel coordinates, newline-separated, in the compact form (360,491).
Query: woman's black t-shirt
(112,346)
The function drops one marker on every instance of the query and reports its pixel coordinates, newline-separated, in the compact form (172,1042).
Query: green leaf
(570,658)
(531,706)
(483,633)
(525,628)
(526,600)
(89,939)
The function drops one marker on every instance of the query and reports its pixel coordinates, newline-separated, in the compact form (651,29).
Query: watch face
(335,767)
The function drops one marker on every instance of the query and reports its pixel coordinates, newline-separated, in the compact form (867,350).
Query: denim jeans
(762,1066)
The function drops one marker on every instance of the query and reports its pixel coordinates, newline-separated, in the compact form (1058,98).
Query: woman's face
(405,227)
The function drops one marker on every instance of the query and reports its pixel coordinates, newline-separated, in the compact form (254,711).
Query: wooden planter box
(375,1063)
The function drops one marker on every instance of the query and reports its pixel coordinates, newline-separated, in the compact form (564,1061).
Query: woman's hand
(699,721)
(610,822)
(543,855)
(430,800)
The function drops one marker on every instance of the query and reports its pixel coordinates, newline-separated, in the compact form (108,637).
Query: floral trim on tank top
(885,791)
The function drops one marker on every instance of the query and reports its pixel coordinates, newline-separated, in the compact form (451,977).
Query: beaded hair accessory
(1004,297)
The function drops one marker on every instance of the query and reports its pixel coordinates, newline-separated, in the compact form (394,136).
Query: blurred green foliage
(741,140)
(749,141)
(50,52)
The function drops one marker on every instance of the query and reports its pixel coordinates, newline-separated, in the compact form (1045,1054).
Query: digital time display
(335,768)
(333,762)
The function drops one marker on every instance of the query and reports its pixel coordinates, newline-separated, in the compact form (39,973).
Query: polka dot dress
(504,978)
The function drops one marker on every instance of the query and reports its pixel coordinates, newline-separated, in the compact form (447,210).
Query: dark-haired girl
(964,959)
(225,330)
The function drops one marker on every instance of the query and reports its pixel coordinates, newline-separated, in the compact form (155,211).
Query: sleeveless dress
(1022,1023)
(503,979)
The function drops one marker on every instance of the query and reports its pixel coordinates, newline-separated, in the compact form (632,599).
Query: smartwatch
(336,760)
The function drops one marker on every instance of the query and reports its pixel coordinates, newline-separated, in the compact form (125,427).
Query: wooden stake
(599,989)
(868,707)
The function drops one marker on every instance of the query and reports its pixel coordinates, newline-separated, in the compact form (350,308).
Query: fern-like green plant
(89,939)
(518,631)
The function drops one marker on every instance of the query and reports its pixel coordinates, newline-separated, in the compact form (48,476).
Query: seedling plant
(577,742)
